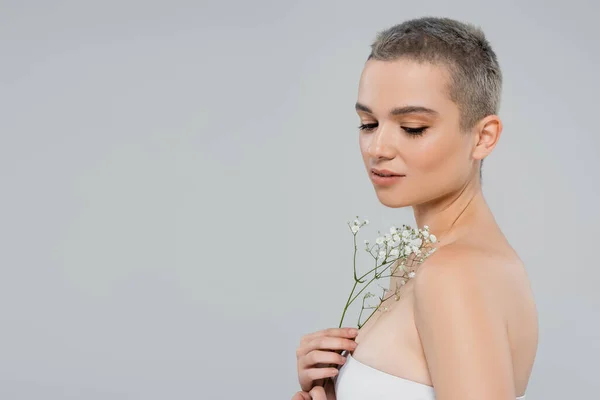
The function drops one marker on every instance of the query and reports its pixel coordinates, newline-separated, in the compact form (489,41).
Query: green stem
(354,261)
(376,276)
(361,325)
(348,302)
(373,269)
(359,280)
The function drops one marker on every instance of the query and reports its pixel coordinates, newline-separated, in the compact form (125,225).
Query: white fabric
(357,381)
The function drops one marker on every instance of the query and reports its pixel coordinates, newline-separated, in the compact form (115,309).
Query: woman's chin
(388,200)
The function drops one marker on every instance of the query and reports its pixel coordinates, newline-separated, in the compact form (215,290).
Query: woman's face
(410,127)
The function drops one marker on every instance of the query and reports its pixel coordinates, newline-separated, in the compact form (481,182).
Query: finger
(337,332)
(320,357)
(317,393)
(328,343)
(349,333)
(313,374)
(301,396)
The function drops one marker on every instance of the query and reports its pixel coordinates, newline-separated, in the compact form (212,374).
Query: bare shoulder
(461,270)
(455,278)
(481,283)
(476,299)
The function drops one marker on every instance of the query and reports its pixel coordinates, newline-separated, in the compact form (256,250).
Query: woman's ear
(487,134)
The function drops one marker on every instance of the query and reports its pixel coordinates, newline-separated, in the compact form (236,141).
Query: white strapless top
(358,381)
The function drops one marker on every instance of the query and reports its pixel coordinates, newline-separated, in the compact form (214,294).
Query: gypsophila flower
(392,254)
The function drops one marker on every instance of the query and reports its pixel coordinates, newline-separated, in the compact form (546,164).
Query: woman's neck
(446,216)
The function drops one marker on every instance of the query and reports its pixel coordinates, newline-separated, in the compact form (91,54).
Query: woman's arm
(462,327)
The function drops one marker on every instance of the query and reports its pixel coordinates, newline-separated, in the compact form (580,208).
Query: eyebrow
(401,110)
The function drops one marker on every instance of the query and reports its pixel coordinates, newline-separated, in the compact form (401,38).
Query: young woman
(465,326)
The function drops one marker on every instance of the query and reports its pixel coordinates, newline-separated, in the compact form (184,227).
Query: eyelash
(410,131)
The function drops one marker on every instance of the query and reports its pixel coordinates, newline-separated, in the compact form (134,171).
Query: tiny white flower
(396,237)
(411,274)
(417,251)
(388,237)
(379,240)
(356,222)
(426,227)
(432,238)
(366,222)
(355,228)
(394,252)
(416,243)
(381,254)
(405,234)
(393,230)
(407,250)
(402,282)
(367,242)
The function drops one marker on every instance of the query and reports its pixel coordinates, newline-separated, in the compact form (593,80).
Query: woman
(466,324)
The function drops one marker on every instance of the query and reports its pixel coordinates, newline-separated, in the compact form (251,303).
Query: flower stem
(354,261)
(376,276)
(376,308)
(348,302)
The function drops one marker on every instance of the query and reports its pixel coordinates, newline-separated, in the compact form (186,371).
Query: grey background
(177,177)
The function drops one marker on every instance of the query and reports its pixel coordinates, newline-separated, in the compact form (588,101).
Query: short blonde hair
(476,80)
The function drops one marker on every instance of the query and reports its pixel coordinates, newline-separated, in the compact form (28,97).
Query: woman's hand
(319,349)
(317,393)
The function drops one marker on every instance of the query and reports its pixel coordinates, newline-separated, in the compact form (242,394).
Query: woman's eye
(415,131)
(367,127)
(411,131)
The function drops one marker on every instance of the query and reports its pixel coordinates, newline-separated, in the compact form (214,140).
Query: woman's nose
(382,143)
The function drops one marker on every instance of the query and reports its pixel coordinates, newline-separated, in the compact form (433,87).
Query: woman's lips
(385,180)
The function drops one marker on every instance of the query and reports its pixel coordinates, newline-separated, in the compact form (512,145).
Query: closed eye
(367,127)
(410,131)
(415,131)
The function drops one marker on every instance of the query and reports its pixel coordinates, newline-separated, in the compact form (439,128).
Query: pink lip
(384,171)
(385,180)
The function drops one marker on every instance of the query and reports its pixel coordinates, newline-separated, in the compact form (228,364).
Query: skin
(467,323)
